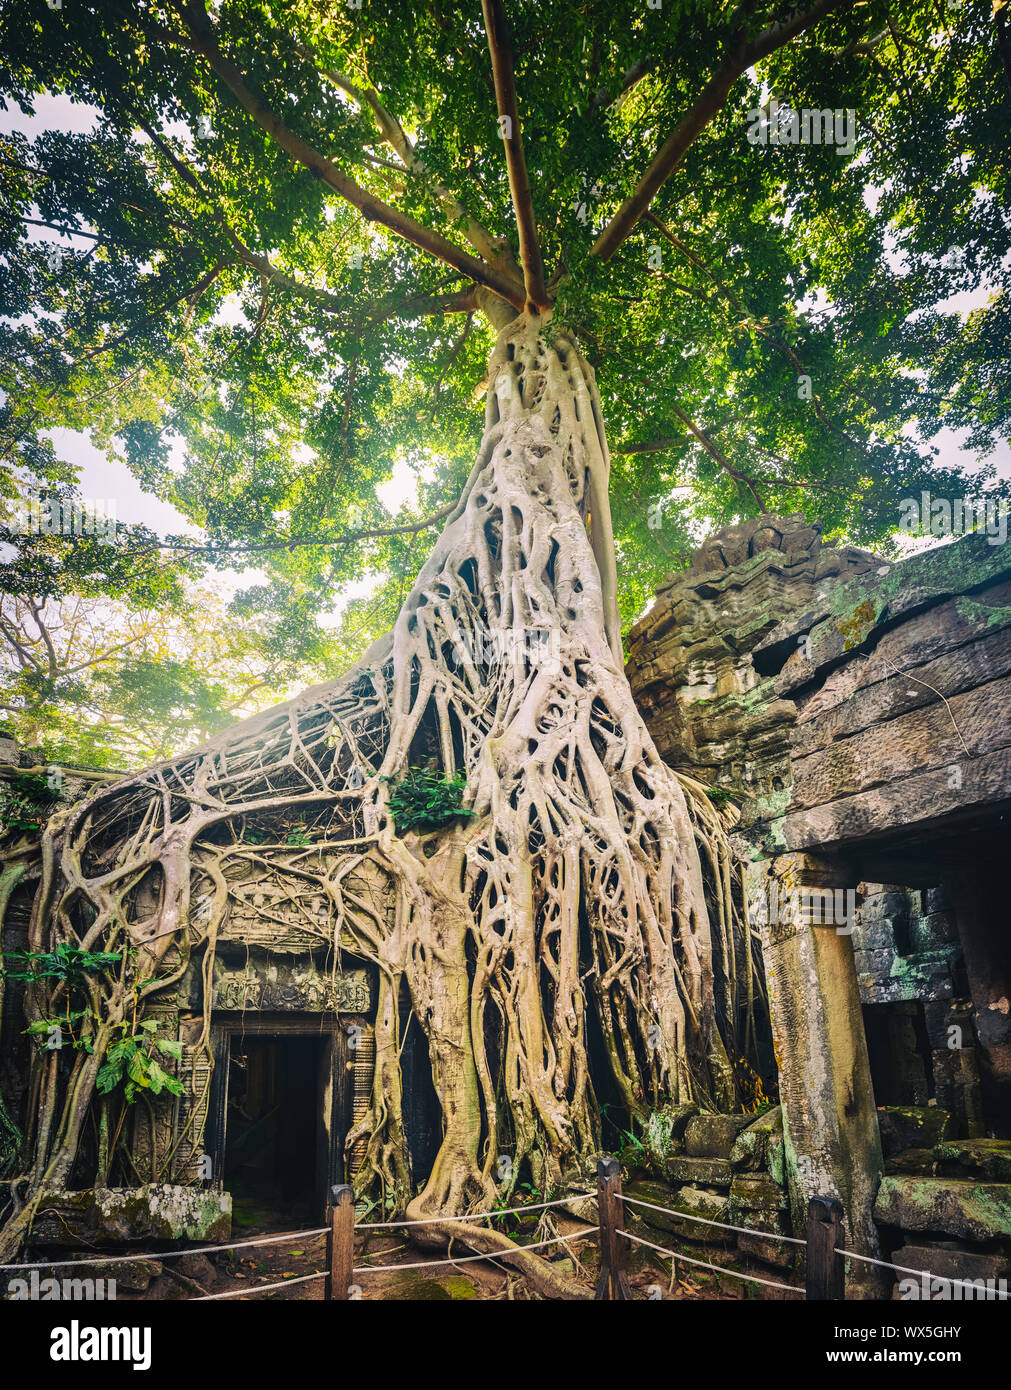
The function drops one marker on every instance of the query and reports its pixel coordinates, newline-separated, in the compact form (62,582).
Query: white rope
(684,1216)
(922,1273)
(171,1254)
(475,1216)
(256,1288)
(719,1269)
(487,1255)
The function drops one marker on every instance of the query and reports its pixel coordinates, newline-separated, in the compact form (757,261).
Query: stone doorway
(282,1104)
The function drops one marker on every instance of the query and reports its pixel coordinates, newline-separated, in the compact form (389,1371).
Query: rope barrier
(719,1269)
(475,1216)
(300,1235)
(922,1273)
(256,1288)
(487,1255)
(171,1254)
(705,1221)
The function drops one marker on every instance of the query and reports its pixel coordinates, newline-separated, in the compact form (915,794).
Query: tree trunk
(575,884)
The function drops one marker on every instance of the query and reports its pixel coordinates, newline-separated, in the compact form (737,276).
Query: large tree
(310,239)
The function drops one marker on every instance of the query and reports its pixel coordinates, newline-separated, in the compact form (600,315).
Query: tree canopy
(291,232)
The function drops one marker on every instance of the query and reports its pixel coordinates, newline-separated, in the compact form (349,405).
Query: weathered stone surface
(102,1217)
(915,1161)
(969,1210)
(775,1222)
(925,976)
(878,934)
(758,1193)
(665,1130)
(712,1136)
(753,1145)
(770,1252)
(946,1262)
(905,801)
(911,1127)
(885,907)
(984,1158)
(693,1202)
(708,1172)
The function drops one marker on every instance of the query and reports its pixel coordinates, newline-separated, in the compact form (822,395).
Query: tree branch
(374,209)
(491,248)
(705,108)
(714,452)
(213,548)
(500,48)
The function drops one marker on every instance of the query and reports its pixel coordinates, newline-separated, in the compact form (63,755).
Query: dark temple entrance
(280,1108)
(271,1120)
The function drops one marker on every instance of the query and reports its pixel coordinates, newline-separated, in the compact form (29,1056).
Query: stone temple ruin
(859,714)
(850,717)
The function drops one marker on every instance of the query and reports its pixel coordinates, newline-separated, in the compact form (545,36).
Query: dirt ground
(240,1273)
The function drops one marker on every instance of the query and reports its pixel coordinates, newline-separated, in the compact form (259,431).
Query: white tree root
(575,886)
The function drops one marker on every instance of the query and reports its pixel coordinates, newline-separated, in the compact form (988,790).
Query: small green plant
(53,1034)
(130,1062)
(424,800)
(720,796)
(66,963)
(24,804)
(298,838)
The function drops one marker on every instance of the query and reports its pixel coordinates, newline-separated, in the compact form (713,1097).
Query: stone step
(984,1158)
(968,1210)
(911,1127)
(757,1194)
(703,1172)
(713,1136)
(692,1201)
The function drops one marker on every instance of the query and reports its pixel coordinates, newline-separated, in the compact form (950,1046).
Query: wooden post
(826,1275)
(612,1283)
(340,1243)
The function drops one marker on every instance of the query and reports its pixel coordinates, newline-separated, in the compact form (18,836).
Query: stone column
(830,1125)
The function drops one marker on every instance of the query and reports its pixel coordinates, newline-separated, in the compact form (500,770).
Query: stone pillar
(830,1125)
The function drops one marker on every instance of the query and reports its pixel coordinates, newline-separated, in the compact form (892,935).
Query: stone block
(665,1130)
(773,1222)
(706,1172)
(112,1216)
(876,963)
(712,1136)
(888,906)
(770,1252)
(934,930)
(911,1127)
(751,1147)
(693,1202)
(757,1193)
(947,1262)
(977,1158)
(875,935)
(917,1161)
(968,1210)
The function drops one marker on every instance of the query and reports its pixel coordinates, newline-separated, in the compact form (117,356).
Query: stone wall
(858,713)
